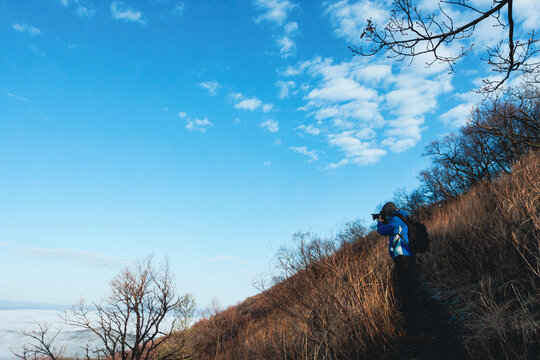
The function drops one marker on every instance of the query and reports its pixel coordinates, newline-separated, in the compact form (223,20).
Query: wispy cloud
(349,20)
(86,10)
(25,28)
(179,9)
(200,125)
(365,109)
(356,150)
(121,11)
(276,12)
(285,88)
(78,256)
(36,51)
(457,116)
(224,258)
(270,125)
(250,103)
(311,154)
(83,8)
(310,129)
(20,98)
(211,86)
(86,257)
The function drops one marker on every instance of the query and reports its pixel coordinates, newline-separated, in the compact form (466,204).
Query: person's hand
(379,219)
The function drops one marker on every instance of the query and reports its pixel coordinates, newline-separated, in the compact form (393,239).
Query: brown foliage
(485,261)
(335,303)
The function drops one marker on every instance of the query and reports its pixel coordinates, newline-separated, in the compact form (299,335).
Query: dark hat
(389,208)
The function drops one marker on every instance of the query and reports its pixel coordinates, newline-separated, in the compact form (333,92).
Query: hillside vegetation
(335,299)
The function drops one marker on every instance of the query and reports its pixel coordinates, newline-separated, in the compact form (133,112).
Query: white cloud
(364,108)
(275,11)
(121,11)
(179,9)
(332,166)
(25,28)
(310,129)
(285,87)
(86,10)
(359,152)
(287,47)
(267,163)
(291,28)
(349,20)
(200,125)
(457,116)
(211,86)
(311,154)
(270,125)
(528,13)
(249,104)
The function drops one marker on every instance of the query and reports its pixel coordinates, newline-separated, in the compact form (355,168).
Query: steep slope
(478,293)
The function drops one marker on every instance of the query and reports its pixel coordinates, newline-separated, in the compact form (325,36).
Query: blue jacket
(397,245)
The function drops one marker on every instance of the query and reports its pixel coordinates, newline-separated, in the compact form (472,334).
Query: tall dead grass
(334,301)
(485,260)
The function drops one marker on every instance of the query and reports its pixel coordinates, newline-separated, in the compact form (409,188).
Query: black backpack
(418,236)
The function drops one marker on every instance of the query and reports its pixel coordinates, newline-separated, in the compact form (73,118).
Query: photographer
(389,223)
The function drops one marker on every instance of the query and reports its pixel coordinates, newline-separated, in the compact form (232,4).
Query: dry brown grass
(335,303)
(485,260)
(335,299)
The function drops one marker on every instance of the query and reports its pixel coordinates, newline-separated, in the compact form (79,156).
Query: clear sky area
(204,131)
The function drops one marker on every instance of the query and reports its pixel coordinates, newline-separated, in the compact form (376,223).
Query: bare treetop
(411,32)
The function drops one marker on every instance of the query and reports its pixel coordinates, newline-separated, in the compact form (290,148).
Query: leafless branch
(409,34)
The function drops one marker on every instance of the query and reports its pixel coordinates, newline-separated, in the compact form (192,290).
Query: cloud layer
(121,11)
(363,109)
(276,12)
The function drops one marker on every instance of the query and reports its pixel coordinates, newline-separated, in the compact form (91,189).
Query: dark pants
(405,273)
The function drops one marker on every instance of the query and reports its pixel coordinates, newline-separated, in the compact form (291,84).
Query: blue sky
(207,132)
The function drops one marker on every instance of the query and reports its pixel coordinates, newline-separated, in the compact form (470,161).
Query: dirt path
(428,332)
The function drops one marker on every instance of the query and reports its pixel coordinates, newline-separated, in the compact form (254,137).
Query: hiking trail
(428,331)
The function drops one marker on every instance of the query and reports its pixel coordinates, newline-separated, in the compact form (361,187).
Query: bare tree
(40,345)
(513,116)
(500,130)
(410,33)
(129,324)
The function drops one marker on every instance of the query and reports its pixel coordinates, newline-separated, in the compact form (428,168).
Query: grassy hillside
(335,299)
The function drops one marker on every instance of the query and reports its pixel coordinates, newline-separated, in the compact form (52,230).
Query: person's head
(389,208)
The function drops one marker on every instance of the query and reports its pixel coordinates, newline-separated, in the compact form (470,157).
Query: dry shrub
(334,301)
(485,260)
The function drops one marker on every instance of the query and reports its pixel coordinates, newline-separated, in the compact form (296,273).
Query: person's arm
(385,229)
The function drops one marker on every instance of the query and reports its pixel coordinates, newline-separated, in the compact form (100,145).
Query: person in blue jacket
(399,250)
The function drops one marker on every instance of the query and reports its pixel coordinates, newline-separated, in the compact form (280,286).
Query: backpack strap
(407,223)
(403,218)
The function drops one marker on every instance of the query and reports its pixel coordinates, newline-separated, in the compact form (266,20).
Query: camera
(381,214)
